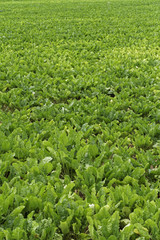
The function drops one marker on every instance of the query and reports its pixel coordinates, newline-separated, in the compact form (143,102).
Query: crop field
(80,120)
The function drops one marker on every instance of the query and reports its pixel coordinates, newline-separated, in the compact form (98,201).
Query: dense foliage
(79,120)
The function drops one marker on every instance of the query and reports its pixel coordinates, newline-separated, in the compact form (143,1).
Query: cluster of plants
(79,120)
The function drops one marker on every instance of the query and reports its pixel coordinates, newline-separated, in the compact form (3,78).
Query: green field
(80,120)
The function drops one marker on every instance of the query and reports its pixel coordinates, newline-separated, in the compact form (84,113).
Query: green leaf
(18,234)
(112,238)
(93,150)
(127,232)
(65,226)
(138,172)
(16,211)
(142,231)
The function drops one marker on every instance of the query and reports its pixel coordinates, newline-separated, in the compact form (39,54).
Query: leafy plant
(79,120)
